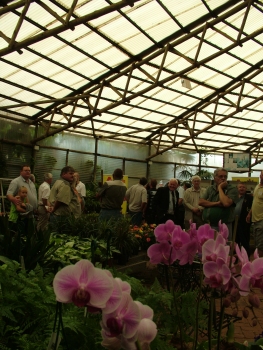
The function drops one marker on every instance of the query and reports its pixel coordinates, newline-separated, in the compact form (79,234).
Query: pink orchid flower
(163,232)
(145,334)
(192,230)
(124,320)
(217,273)
(241,254)
(161,253)
(187,253)
(125,286)
(204,233)
(146,311)
(83,284)
(223,230)
(213,249)
(179,238)
(111,343)
(252,273)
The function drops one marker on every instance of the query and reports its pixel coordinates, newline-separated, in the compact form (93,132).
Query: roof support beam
(62,28)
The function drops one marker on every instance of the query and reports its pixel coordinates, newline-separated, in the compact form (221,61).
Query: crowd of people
(49,205)
(221,201)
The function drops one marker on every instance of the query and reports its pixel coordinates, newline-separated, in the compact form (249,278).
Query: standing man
(257,215)
(81,190)
(112,195)
(43,195)
(23,181)
(62,198)
(80,187)
(166,202)
(242,210)
(193,211)
(181,209)
(219,201)
(136,195)
(150,210)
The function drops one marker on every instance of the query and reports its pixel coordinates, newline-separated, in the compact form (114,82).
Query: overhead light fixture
(186,83)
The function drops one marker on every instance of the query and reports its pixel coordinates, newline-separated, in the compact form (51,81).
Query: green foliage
(72,249)
(27,313)
(85,226)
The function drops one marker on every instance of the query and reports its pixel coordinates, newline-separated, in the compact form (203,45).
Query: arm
(144,200)
(187,203)
(21,208)
(207,204)
(14,199)
(224,199)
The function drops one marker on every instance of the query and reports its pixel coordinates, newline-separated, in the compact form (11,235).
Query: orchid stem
(138,345)
(210,321)
(222,312)
(197,310)
(176,309)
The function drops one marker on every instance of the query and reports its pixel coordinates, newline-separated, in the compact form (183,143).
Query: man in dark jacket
(242,209)
(166,202)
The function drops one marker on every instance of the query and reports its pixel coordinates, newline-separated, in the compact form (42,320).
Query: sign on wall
(236,161)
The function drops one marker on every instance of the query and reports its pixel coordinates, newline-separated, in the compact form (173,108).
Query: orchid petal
(146,331)
(163,232)
(146,311)
(161,252)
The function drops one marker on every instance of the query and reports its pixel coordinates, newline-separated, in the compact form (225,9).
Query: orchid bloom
(179,238)
(242,255)
(223,230)
(192,230)
(204,233)
(163,232)
(213,249)
(217,273)
(83,284)
(161,253)
(187,252)
(252,273)
(124,320)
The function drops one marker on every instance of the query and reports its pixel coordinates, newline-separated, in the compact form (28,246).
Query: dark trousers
(166,217)
(136,218)
(243,237)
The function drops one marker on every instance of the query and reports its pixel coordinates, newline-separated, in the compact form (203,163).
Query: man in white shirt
(137,198)
(193,211)
(80,187)
(43,205)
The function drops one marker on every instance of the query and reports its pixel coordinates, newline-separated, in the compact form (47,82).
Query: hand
(49,209)
(248,218)
(195,210)
(222,185)
(17,200)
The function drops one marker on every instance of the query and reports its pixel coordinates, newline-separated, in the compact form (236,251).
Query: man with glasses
(23,181)
(219,201)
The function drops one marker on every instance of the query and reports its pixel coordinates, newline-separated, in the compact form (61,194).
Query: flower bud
(254,300)
(234,292)
(234,313)
(245,313)
(227,302)
(255,322)
(235,298)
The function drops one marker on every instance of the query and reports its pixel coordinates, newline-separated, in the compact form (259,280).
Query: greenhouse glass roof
(182,74)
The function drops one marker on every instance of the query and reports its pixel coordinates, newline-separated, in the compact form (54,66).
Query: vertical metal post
(95,159)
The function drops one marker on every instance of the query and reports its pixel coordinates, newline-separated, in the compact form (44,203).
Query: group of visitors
(219,202)
(50,205)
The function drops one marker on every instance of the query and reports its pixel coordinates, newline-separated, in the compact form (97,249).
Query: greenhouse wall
(92,157)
